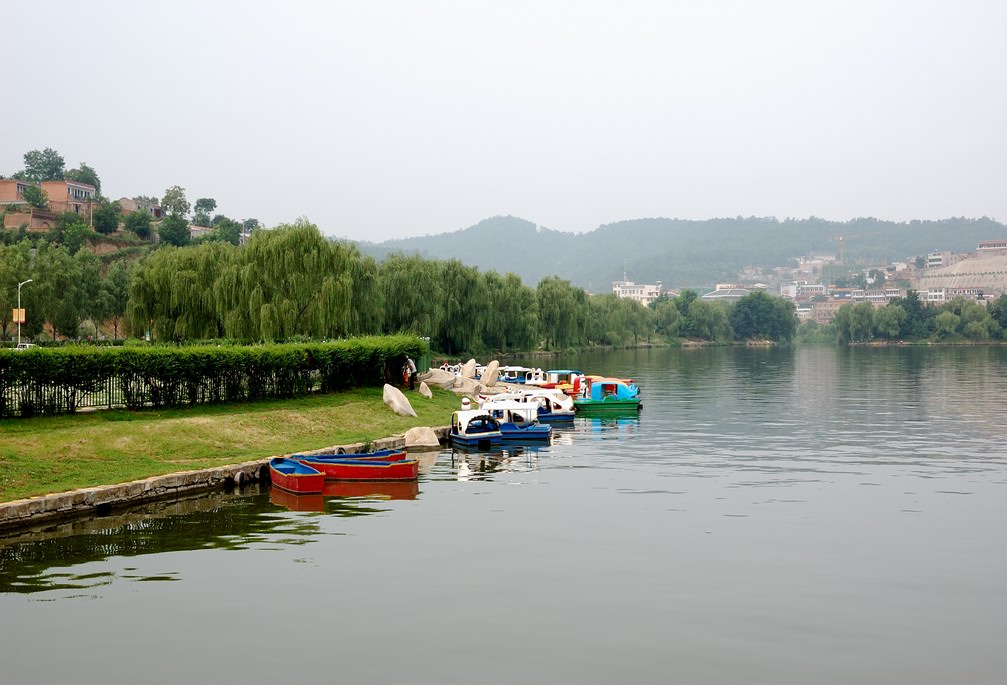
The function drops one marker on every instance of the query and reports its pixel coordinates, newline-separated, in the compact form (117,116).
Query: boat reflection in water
(404,489)
(470,463)
(379,490)
(620,420)
(295,502)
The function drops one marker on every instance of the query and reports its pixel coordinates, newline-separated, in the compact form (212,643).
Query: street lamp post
(19,317)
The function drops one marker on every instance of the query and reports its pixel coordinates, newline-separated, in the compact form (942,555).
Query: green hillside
(684,253)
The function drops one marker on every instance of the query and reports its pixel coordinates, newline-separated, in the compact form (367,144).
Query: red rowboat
(361,469)
(295,476)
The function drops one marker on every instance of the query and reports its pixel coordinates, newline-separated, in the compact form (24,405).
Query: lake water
(802,515)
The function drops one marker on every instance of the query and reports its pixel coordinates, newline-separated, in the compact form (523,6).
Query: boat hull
(363,469)
(586,406)
(483,440)
(379,455)
(294,476)
(512,431)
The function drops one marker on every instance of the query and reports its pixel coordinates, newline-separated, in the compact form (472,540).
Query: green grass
(56,454)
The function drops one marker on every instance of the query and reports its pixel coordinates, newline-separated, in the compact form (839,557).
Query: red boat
(362,469)
(294,476)
(379,455)
(386,489)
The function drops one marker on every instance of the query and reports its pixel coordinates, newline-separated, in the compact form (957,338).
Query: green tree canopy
(85,174)
(138,222)
(174,230)
(42,165)
(174,202)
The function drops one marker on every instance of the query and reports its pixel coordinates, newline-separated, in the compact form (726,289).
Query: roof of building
(727,294)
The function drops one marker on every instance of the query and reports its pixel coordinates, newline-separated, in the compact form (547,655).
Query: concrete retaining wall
(104,499)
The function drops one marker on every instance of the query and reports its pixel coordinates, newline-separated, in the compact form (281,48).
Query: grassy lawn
(46,455)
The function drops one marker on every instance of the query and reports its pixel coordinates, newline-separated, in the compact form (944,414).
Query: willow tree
(413,295)
(172,292)
(558,315)
(298,283)
(466,305)
(512,314)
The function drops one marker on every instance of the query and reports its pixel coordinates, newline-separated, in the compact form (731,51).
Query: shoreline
(103,500)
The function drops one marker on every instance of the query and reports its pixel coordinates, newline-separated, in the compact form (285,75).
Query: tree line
(910,319)
(292,283)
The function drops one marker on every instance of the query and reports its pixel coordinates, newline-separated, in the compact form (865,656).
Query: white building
(643,293)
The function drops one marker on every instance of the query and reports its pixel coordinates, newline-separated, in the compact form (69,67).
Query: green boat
(606,394)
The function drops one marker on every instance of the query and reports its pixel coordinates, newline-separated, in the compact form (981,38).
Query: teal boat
(606,394)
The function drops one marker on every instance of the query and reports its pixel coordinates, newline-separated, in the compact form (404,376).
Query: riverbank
(45,456)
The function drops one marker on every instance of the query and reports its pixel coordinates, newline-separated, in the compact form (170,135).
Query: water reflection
(468,463)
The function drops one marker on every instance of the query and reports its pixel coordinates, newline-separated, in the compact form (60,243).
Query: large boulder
(425,390)
(440,378)
(489,377)
(468,386)
(469,370)
(397,402)
(422,437)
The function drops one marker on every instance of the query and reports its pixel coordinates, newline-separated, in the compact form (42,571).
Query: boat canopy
(473,421)
(612,387)
(513,411)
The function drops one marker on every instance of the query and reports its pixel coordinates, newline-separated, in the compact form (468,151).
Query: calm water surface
(806,515)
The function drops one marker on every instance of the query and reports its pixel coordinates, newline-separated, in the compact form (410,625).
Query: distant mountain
(684,253)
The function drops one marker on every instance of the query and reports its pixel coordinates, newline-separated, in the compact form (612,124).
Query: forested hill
(684,253)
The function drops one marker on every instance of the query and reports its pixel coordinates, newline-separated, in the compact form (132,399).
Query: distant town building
(987,247)
(987,273)
(938,295)
(130,205)
(878,298)
(643,293)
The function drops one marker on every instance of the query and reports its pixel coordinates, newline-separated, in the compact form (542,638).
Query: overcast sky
(381,120)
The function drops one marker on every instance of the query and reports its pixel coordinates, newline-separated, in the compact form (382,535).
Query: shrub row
(59,380)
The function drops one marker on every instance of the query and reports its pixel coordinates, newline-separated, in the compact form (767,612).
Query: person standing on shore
(411,373)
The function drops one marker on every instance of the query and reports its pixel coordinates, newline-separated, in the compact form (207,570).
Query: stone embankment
(102,500)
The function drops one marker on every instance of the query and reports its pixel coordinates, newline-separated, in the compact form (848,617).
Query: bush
(58,380)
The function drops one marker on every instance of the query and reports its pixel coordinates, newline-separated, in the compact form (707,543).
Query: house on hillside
(130,205)
(64,196)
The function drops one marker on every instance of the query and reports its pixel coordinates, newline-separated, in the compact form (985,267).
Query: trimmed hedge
(43,381)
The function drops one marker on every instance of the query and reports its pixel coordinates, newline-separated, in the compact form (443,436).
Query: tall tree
(85,174)
(115,293)
(138,222)
(174,202)
(43,165)
(203,209)
(174,230)
(106,217)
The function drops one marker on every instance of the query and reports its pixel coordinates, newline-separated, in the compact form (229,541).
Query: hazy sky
(381,119)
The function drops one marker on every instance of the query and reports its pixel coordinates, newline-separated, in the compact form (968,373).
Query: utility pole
(20,312)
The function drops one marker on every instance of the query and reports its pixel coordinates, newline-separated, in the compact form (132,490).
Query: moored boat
(604,394)
(518,420)
(474,427)
(363,469)
(295,476)
(513,374)
(553,405)
(376,455)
